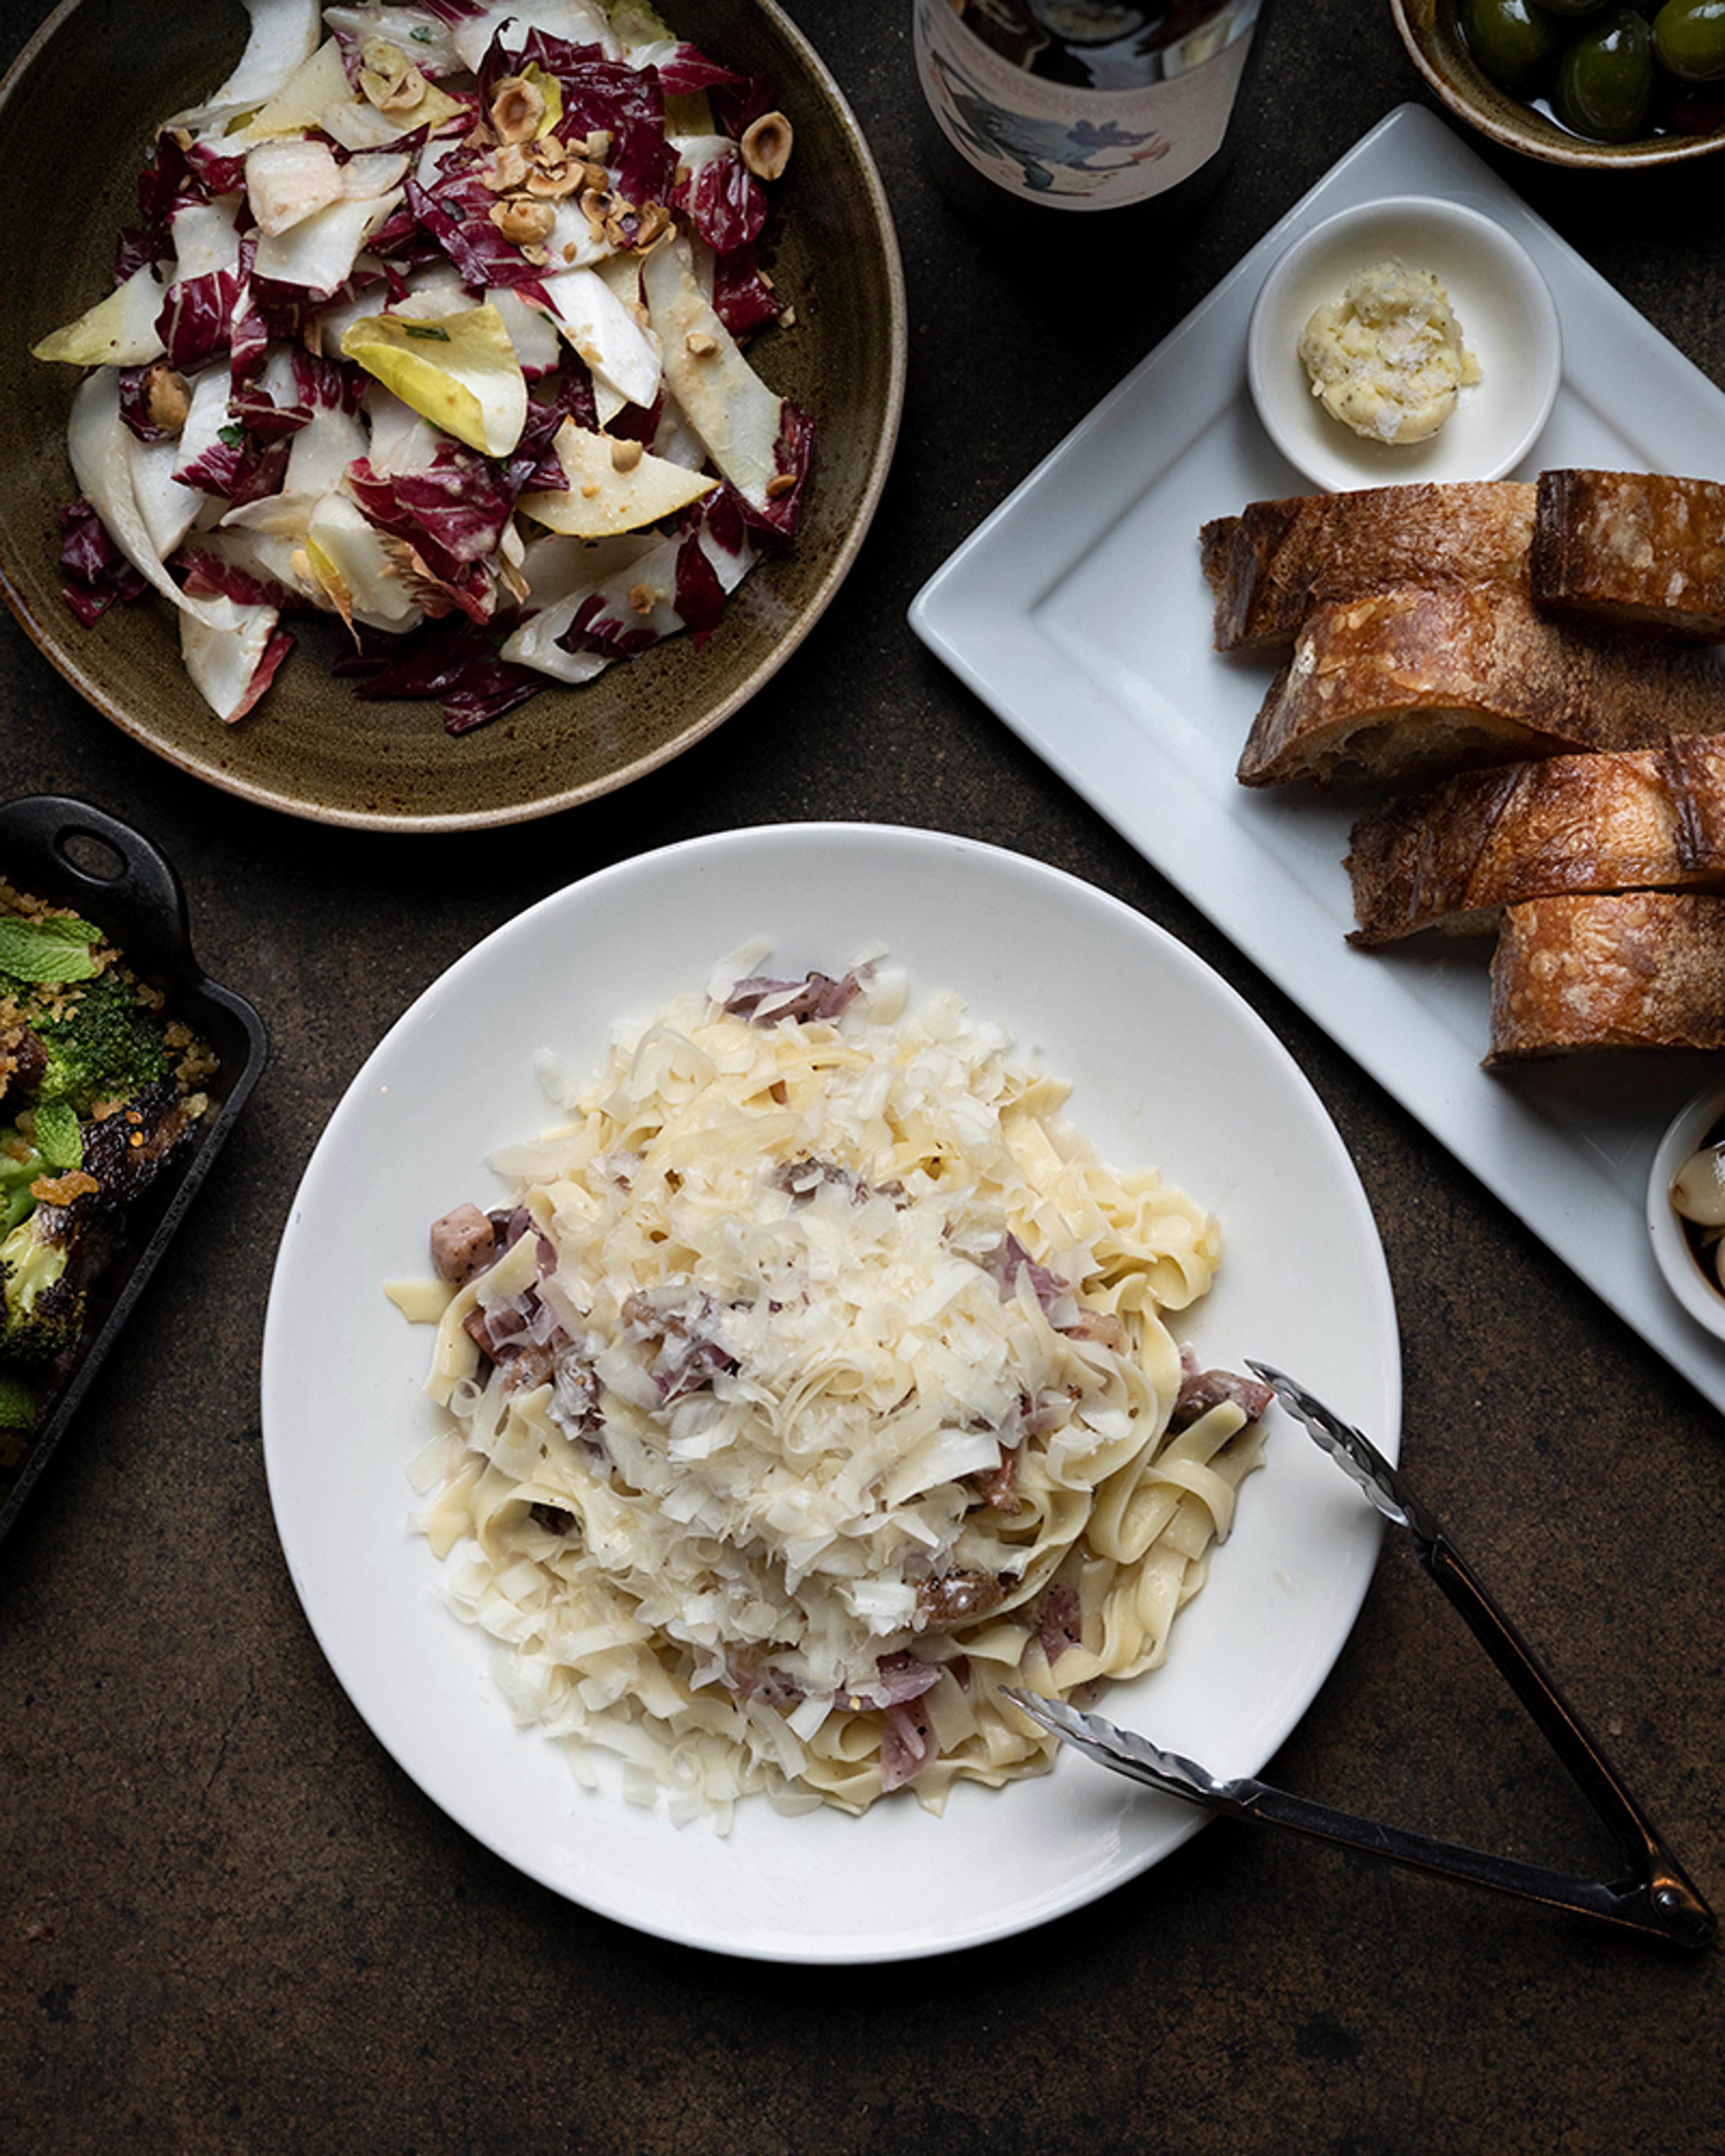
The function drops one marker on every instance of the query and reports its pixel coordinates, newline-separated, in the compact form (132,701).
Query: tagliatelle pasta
(815,1380)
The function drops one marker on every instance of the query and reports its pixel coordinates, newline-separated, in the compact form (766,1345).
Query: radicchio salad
(432,321)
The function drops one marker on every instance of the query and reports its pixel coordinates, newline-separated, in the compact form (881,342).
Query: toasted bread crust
(1453,857)
(1277,562)
(1634,969)
(1645,549)
(1420,684)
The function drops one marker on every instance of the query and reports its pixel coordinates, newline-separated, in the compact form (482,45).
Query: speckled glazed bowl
(311,748)
(1431,31)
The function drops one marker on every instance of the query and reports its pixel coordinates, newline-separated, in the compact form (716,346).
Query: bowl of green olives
(1597,82)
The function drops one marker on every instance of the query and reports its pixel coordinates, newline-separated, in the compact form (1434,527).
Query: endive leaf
(459,371)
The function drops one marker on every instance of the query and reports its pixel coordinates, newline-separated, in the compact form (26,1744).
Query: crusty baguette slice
(1632,969)
(1642,548)
(1454,856)
(1417,684)
(1277,562)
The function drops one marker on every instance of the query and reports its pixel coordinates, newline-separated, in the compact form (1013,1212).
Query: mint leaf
(55,947)
(57,1138)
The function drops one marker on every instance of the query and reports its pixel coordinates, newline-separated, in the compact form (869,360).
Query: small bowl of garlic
(1408,339)
(1685,1207)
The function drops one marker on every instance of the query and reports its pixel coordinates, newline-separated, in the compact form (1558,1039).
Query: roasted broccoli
(41,1311)
(94,1096)
(107,1047)
(20,1164)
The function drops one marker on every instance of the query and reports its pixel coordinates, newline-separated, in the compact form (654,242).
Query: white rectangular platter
(1078,611)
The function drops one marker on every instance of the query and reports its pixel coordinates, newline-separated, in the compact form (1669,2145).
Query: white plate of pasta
(730,1761)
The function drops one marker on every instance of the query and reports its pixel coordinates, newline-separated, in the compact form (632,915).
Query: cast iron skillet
(76,856)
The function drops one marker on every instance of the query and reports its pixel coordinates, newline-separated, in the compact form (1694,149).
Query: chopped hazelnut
(507,170)
(168,397)
(517,107)
(389,78)
(654,223)
(553,178)
(701,343)
(521,218)
(625,456)
(780,484)
(642,598)
(767,146)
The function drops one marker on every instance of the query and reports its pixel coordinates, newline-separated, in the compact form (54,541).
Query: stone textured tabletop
(228,1923)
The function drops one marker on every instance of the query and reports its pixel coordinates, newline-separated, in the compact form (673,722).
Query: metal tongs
(1655,1900)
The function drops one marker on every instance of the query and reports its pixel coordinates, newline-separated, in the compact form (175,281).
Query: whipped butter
(1387,358)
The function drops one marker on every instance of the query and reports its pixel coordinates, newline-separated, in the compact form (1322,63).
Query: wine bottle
(1079,107)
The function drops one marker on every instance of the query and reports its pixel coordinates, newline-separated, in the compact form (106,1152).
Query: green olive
(1572,7)
(1689,37)
(1514,42)
(1605,77)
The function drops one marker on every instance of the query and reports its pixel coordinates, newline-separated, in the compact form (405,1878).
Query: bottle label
(1077,149)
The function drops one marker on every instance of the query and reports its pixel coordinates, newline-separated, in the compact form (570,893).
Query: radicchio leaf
(97,573)
(740,102)
(459,218)
(453,660)
(598,94)
(452,516)
(723,200)
(688,70)
(743,299)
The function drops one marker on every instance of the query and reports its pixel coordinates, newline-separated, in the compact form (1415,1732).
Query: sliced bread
(1642,548)
(1274,564)
(1632,969)
(1419,684)
(1453,856)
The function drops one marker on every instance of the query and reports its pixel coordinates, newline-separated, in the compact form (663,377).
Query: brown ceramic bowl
(1431,31)
(311,748)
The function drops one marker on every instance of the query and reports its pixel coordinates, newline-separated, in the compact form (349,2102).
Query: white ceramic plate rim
(1168,1065)
(1079,613)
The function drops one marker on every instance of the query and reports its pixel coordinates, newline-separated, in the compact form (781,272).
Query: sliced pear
(600,500)
(461,373)
(727,403)
(117,331)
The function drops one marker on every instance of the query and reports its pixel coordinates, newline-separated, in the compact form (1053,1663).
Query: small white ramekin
(1508,319)
(1688,1278)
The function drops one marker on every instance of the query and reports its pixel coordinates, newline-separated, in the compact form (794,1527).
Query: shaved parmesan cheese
(600,498)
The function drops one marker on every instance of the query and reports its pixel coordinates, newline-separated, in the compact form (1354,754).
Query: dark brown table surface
(227,1921)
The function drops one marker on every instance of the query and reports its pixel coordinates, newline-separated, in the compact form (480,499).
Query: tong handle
(1669,1902)
(1663,1907)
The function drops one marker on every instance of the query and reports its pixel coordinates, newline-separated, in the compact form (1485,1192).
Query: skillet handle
(141,905)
